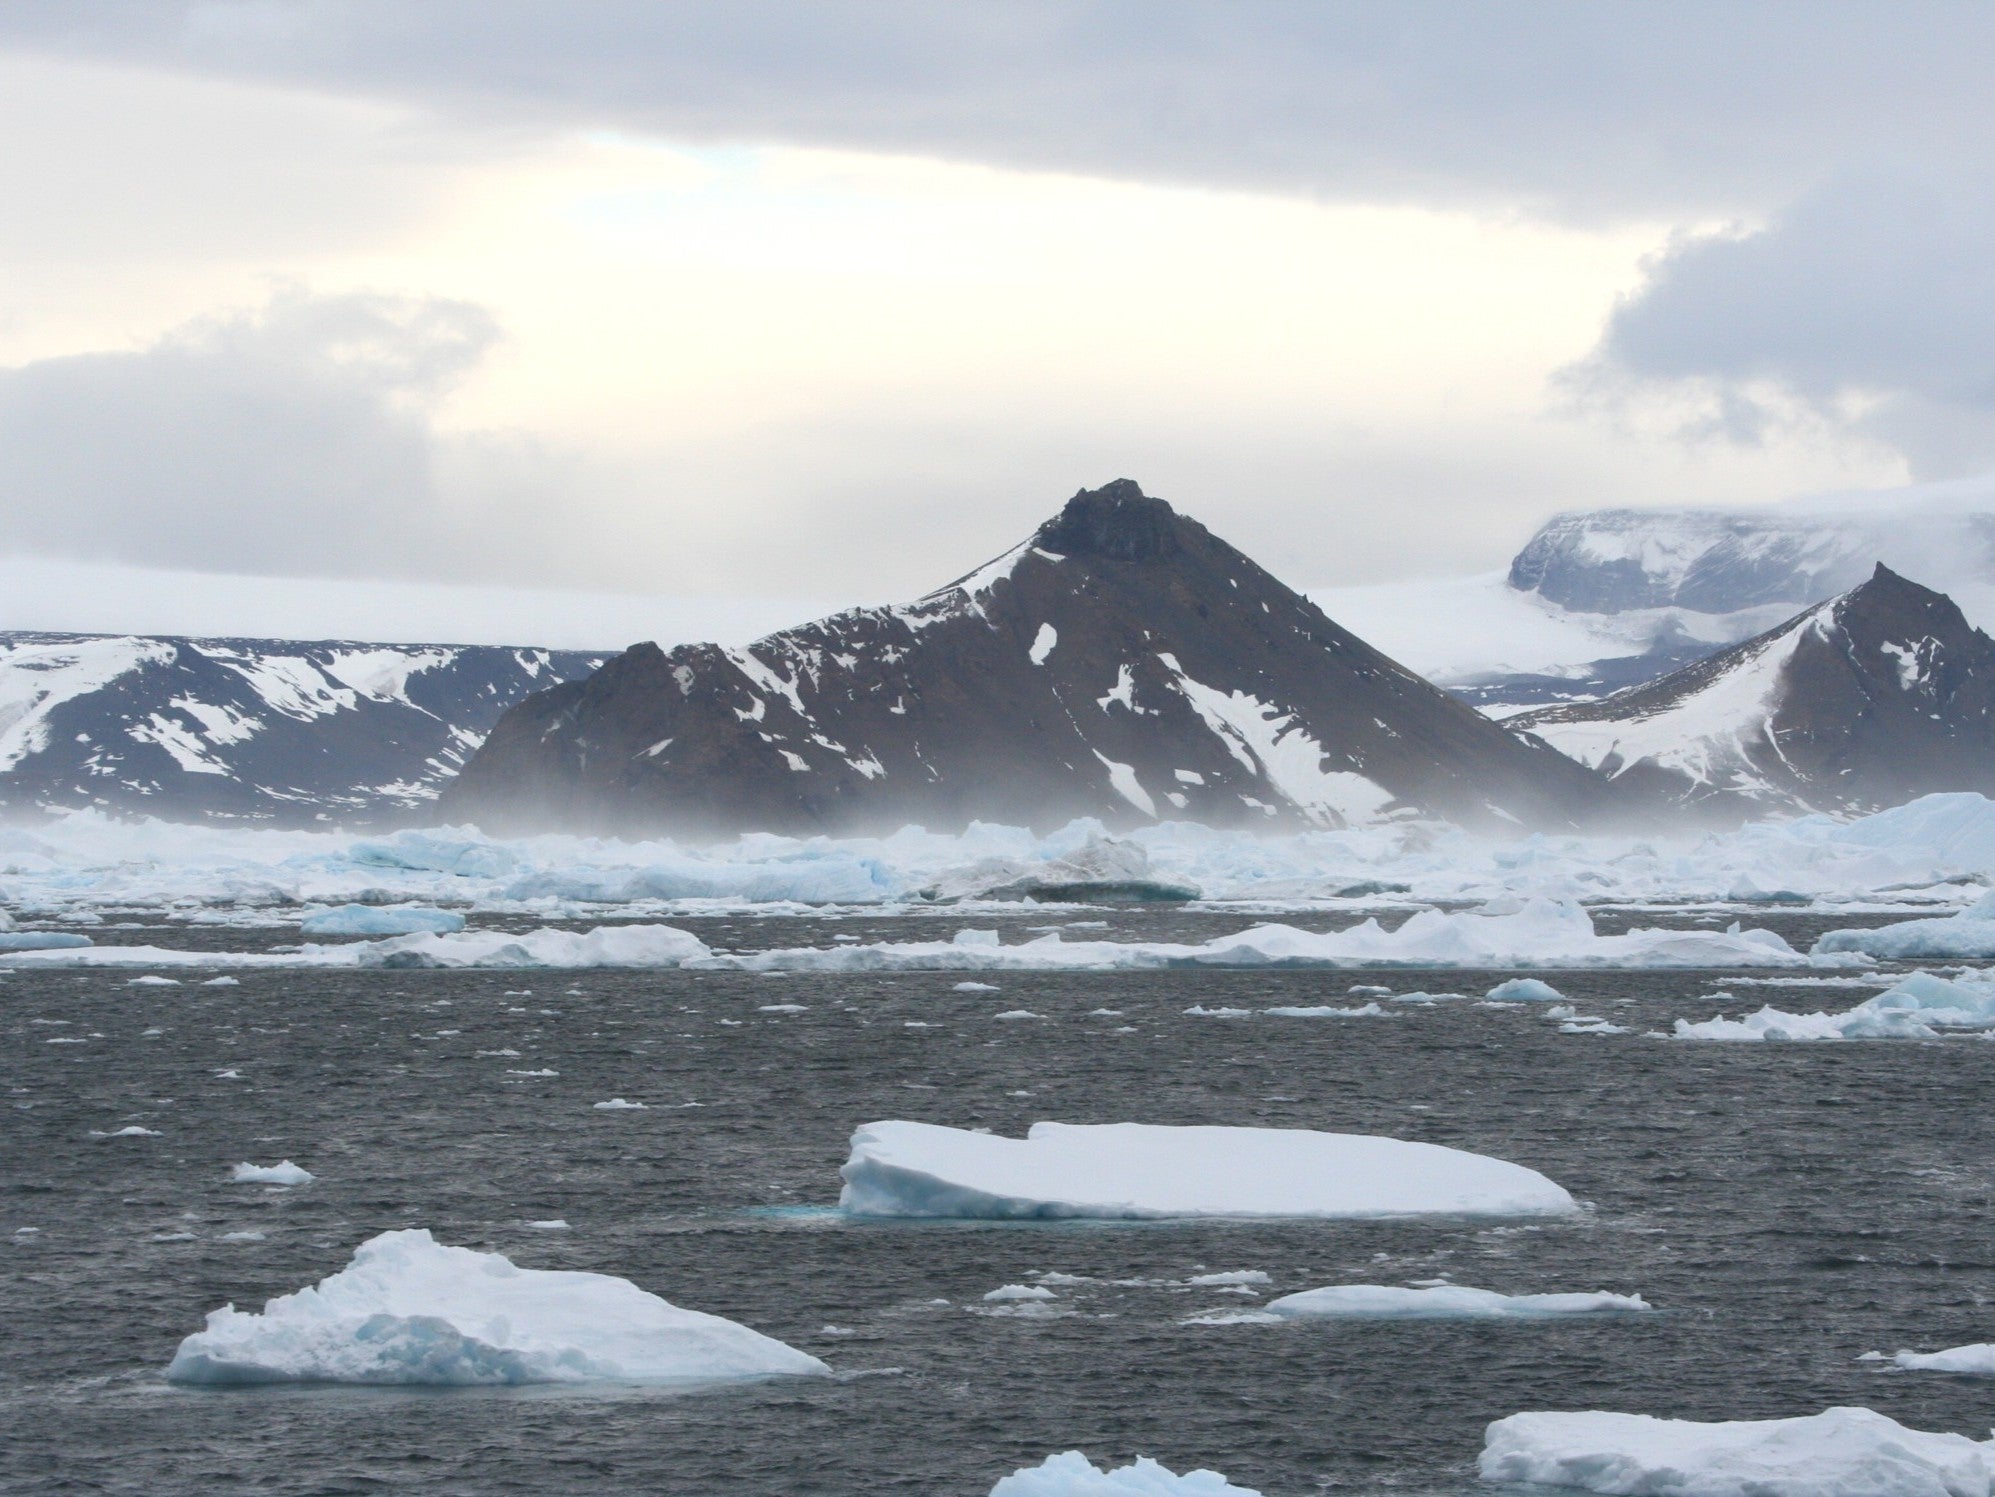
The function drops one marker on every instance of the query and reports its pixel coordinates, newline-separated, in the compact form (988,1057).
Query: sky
(746,305)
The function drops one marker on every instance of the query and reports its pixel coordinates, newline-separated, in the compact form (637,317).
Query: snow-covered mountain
(1122,662)
(1865,701)
(250,729)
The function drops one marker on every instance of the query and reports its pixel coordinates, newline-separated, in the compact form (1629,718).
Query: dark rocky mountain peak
(1867,700)
(1121,663)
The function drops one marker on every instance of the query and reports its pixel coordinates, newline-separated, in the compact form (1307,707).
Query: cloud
(1867,307)
(1646,108)
(297,438)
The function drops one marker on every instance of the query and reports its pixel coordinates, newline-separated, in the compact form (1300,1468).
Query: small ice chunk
(223,982)
(1445,1302)
(1844,1452)
(550,1224)
(240,1237)
(134,1131)
(152,980)
(1231,1276)
(1018,1013)
(1329,1011)
(284,1172)
(974,987)
(1018,1292)
(410,1311)
(618,1104)
(782,1008)
(1071,1474)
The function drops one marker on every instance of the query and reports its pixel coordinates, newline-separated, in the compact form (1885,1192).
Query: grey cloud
(1868,305)
(297,438)
(1647,107)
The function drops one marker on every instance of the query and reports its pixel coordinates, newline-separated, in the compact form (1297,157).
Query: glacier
(1134,1171)
(409,1310)
(1844,1452)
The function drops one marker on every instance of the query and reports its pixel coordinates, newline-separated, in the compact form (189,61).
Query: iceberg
(1838,1453)
(41,940)
(1445,1302)
(1977,1360)
(1071,1474)
(604,946)
(378,920)
(1136,1171)
(1916,1008)
(1524,990)
(410,1311)
(1968,935)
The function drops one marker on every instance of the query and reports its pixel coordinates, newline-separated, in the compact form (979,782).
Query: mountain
(1865,701)
(1121,663)
(250,729)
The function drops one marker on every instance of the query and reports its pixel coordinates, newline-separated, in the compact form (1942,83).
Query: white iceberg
(408,1310)
(379,920)
(1838,1453)
(1977,1360)
(1134,1171)
(1524,990)
(1968,935)
(1071,1474)
(604,946)
(1445,1302)
(284,1172)
(1918,1007)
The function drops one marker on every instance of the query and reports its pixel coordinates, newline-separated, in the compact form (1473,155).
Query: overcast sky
(833,301)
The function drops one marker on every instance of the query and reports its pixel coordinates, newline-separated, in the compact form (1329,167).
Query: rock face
(250,729)
(1121,663)
(1865,701)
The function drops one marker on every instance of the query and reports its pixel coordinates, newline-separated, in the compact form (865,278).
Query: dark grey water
(1787,1207)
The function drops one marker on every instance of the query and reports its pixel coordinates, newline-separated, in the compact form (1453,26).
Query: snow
(373,920)
(1071,1474)
(1974,1361)
(38,677)
(1445,1302)
(409,1310)
(284,1172)
(1917,1007)
(1137,1171)
(1843,1452)
(1122,778)
(1043,642)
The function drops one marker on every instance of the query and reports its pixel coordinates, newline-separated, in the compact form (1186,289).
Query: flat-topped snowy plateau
(1871,699)
(250,729)
(409,1310)
(1121,663)
(1137,1171)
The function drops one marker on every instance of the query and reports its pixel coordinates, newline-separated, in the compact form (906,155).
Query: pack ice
(410,1311)
(1837,1453)
(1071,1474)
(1134,1171)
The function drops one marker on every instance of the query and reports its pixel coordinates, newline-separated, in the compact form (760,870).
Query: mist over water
(1785,1208)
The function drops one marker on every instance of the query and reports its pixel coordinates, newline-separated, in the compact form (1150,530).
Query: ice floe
(284,1172)
(1977,1360)
(1071,1474)
(409,1310)
(1842,1452)
(1918,1007)
(1136,1171)
(1444,1302)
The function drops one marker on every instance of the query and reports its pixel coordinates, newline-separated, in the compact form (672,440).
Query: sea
(1785,1208)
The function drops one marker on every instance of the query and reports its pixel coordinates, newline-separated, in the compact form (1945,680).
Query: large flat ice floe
(1919,1007)
(1136,1171)
(409,1311)
(1838,1453)
(1071,1474)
